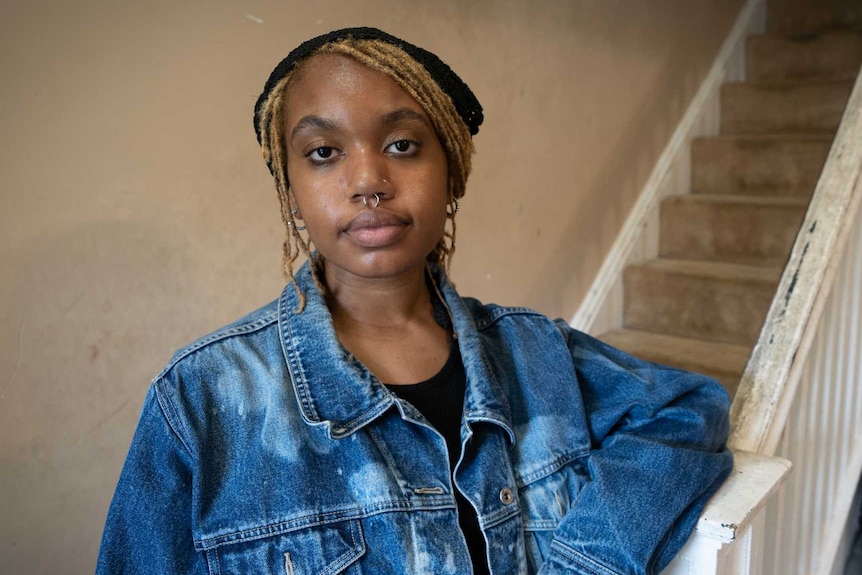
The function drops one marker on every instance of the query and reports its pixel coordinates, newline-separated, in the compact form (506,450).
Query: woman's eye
(403,147)
(321,154)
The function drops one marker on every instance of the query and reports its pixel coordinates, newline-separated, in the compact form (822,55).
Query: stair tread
(714,355)
(722,361)
(747,229)
(714,270)
(789,201)
(771,108)
(768,138)
(759,164)
(718,301)
(833,33)
(816,18)
(791,85)
(829,55)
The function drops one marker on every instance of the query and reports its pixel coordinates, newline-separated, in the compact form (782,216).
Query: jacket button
(506,496)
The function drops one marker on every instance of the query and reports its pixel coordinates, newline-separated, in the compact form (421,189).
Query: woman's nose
(369,175)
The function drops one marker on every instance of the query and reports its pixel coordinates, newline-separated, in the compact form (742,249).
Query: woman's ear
(294,210)
(296,216)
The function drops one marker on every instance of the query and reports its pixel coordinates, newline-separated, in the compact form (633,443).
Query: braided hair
(453,110)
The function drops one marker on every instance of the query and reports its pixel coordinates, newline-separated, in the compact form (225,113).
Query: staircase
(722,248)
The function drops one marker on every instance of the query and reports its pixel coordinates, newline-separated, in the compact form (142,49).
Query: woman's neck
(389,326)
(378,303)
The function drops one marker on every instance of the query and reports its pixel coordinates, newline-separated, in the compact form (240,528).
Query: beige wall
(136,213)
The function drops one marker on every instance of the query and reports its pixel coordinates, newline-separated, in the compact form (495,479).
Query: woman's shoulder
(486,315)
(527,322)
(230,376)
(232,372)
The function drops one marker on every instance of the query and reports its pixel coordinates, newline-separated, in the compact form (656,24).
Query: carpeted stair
(722,248)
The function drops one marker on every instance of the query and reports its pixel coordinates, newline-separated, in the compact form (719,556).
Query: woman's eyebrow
(309,122)
(320,123)
(402,114)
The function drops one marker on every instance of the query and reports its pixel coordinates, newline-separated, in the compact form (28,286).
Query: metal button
(506,496)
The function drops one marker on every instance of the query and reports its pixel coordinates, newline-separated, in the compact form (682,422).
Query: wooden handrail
(768,385)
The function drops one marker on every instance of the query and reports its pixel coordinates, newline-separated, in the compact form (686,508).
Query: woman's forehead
(332,67)
(328,83)
(335,71)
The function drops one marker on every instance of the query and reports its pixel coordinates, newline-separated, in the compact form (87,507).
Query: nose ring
(374,205)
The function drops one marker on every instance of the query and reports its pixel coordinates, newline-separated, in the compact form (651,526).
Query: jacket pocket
(321,550)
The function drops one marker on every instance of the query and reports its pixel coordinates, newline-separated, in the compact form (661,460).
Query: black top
(441,400)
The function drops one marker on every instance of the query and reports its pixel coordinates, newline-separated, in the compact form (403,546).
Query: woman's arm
(148,529)
(659,453)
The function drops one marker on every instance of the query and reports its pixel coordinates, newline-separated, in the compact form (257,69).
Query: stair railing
(800,397)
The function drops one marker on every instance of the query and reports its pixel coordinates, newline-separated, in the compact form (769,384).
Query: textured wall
(136,214)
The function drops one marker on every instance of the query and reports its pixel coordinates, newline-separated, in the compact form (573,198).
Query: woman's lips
(376,228)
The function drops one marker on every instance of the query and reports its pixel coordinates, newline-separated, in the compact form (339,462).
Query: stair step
(723,361)
(762,165)
(806,17)
(704,300)
(828,56)
(783,108)
(736,229)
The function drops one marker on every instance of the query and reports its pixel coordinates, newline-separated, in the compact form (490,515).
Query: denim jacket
(265,447)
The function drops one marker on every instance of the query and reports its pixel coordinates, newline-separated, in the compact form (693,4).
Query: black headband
(466,104)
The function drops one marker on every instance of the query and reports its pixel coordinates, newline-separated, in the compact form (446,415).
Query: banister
(727,538)
(754,479)
(768,385)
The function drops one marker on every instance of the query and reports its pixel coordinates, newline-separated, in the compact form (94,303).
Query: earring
(293,212)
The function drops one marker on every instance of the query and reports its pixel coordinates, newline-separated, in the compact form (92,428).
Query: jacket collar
(336,391)
(485,399)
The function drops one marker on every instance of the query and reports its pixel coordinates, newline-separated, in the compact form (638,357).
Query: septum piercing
(376,201)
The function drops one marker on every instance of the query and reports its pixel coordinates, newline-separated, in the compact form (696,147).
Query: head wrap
(465,101)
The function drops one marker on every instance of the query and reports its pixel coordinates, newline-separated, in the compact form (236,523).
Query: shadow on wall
(87,342)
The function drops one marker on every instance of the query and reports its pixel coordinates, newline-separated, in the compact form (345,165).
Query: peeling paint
(795,278)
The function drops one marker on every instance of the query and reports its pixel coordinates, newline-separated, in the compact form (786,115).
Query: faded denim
(266,448)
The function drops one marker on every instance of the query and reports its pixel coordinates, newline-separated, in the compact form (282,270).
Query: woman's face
(352,132)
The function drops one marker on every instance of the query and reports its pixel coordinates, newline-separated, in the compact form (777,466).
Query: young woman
(373,421)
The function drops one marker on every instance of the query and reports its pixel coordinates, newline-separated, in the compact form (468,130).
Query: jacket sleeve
(658,437)
(148,529)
